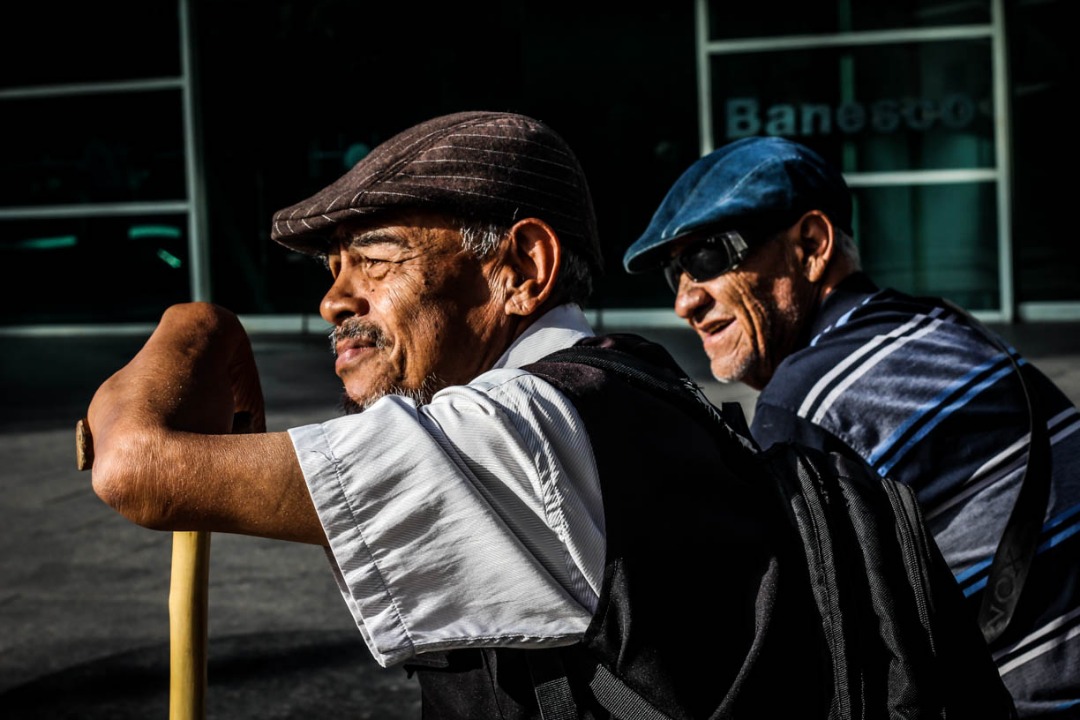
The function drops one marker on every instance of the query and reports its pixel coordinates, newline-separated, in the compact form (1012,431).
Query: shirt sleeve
(474,520)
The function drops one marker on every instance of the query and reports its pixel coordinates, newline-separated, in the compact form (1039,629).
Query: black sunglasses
(709,257)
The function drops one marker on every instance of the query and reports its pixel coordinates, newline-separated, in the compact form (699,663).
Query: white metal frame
(193,205)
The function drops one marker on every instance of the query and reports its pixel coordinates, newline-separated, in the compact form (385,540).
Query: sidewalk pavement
(83,593)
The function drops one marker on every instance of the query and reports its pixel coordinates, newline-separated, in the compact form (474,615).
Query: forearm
(248,484)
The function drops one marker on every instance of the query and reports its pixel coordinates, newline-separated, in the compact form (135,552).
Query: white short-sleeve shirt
(474,520)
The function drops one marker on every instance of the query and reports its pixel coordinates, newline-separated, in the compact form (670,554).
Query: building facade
(147,145)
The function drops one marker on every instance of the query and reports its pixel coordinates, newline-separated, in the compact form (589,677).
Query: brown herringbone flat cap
(485,166)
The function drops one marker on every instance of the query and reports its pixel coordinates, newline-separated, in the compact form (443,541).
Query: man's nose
(345,299)
(690,298)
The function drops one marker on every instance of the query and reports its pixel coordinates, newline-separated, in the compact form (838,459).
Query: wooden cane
(188,591)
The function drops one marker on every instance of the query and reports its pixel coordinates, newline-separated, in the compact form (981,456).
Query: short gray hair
(845,244)
(575,281)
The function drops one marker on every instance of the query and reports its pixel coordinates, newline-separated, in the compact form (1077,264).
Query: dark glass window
(1043,55)
(77,42)
(932,240)
(728,21)
(92,270)
(116,147)
(919,106)
(292,93)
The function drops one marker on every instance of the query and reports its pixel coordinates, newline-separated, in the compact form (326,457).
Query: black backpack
(896,639)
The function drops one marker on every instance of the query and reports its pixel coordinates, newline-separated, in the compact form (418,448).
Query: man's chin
(729,373)
(356,403)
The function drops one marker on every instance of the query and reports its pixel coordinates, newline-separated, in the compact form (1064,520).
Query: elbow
(124,483)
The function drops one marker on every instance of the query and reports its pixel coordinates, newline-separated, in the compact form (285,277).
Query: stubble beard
(736,374)
(373,334)
(756,367)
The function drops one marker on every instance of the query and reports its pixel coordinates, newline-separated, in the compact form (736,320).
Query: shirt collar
(850,293)
(558,328)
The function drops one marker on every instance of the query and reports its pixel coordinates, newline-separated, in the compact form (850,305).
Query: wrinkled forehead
(415,229)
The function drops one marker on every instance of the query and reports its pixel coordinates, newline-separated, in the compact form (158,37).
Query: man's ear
(817,244)
(531,261)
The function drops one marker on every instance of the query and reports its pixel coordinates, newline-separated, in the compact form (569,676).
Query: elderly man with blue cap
(756,241)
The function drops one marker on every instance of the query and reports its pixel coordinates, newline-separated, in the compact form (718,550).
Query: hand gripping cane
(188,593)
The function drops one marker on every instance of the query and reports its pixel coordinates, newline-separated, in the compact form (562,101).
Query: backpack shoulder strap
(550,679)
(668,381)
(552,688)
(1020,538)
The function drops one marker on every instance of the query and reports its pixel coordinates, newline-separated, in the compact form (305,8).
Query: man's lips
(351,351)
(714,331)
(713,327)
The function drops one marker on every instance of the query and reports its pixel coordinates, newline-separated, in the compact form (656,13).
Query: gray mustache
(357,329)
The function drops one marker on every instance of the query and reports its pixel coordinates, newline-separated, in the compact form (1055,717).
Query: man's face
(412,312)
(749,318)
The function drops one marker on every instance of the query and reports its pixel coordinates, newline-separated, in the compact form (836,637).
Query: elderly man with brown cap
(495,516)
(756,241)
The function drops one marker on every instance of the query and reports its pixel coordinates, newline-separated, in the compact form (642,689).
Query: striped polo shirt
(912,389)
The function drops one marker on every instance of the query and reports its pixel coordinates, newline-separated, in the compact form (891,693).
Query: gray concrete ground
(83,593)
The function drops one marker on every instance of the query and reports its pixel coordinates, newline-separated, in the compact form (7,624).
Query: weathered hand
(179,439)
(195,373)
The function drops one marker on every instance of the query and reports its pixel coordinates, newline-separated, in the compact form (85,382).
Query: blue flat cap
(757,185)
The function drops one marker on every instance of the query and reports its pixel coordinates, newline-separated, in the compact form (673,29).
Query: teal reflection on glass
(169,259)
(47,243)
(140,232)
